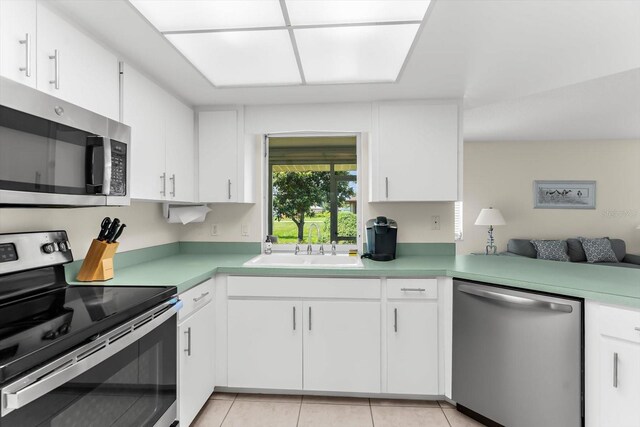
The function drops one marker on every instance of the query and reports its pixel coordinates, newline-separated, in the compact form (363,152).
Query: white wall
(413,218)
(501,174)
(145,225)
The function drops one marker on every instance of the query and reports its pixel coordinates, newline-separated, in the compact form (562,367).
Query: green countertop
(615,285)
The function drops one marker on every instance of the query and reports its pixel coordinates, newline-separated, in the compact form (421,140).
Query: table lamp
(490,217)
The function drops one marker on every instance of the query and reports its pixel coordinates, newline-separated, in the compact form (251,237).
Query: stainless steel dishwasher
(517,356)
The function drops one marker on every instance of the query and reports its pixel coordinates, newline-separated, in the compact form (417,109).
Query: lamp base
(490,249)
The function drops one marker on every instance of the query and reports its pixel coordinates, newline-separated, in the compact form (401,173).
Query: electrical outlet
(214,229)
(245,229)
(435,222)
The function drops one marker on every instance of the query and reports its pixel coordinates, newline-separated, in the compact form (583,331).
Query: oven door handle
(64,369)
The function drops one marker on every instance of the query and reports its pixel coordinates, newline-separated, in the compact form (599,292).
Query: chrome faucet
(296,251)
(333,247)
(309,247)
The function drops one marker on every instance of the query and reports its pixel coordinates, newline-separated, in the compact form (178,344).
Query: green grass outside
(287,230)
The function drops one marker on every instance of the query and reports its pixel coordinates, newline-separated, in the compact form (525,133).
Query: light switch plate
(245,229)
(214,229)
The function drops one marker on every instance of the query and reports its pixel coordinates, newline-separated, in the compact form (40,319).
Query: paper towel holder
(173,219)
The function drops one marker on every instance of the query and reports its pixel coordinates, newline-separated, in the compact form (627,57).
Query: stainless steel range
(81,355)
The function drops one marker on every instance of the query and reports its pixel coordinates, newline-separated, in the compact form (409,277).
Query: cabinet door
(619,385)
(264,344)
(197,367)
(218,156)
(180,145)
(83,72)
(412,342)
(417,153)
(17,55)
(143,110)
(342,346)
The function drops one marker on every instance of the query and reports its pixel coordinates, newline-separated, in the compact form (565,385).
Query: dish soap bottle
(268,246)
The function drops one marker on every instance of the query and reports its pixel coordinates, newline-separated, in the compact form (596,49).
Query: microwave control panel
(118,169)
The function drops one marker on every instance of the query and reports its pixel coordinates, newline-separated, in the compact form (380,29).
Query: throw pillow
(552,250)
(598,250)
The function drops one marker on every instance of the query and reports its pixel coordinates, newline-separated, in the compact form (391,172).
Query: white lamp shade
(490,216)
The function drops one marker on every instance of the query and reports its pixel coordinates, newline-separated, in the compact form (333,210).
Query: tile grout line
(445,416)
(299,411)
(373,423)
(228,410)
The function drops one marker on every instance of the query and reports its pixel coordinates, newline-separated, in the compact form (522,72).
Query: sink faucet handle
(321,250)
(297,248)
(309,249)
(333,247)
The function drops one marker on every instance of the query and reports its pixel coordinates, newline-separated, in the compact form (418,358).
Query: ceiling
(517,64)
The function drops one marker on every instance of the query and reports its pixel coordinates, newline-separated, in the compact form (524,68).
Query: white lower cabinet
(612,366)
(196,345)
(342,346)
(265,344)
(412,347)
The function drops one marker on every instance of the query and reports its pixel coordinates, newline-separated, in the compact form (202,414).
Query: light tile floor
(263,410)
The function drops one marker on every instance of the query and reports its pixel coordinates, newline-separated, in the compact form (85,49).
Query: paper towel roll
(186,214)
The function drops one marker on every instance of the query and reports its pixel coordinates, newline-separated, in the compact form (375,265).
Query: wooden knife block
(98,264)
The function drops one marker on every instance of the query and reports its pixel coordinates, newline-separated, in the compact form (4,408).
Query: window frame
(266,179)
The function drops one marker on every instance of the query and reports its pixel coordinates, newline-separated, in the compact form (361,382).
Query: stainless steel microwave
(53,153)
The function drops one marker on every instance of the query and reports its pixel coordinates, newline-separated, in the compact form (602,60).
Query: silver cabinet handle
(56,66)
(27,43)
(173,185)
(188,334)
(615,370)
(513,299)
(412,289)
(229,189)
(386,186)
(294,317)
(163,177)
(309,317)
(395,320)
(197,299)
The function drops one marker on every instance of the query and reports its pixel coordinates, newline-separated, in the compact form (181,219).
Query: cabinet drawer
(620,323)
(195,298)
(303,287)
(412,288)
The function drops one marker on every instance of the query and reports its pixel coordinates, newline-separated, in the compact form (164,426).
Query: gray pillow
(552,250)
(598,250)
(576,252)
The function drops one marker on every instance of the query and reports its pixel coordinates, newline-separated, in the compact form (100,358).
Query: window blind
(458,221)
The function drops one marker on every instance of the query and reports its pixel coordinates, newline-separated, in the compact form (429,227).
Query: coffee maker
(382,234)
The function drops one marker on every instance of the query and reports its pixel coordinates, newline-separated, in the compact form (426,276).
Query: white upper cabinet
(415,152)
(180,151)
(162,141)
(218,139)
(73,67)
(18,40)
(142,110)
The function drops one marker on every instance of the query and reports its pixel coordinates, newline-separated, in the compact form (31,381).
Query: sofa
(524,247)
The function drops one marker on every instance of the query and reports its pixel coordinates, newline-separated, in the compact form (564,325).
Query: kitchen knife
(118,234)
(112,230)
(104,228)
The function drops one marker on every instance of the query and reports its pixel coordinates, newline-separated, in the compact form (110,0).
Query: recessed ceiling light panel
(354,54)
(186,15)
(241,58)
(318,12)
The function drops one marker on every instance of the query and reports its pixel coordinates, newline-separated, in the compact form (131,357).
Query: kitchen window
(312,188)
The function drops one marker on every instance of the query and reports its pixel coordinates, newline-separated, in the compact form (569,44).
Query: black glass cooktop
(40,327)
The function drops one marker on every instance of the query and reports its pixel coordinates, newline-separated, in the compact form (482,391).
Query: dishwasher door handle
(513,299)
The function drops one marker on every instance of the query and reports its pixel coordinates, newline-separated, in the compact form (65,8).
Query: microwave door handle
(106,176)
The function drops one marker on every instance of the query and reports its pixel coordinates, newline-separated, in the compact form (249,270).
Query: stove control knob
(48,248)
(63,246)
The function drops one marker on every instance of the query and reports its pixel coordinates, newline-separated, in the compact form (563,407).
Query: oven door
(126,378)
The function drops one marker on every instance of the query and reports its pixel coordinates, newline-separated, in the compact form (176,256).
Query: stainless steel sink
(308,261)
